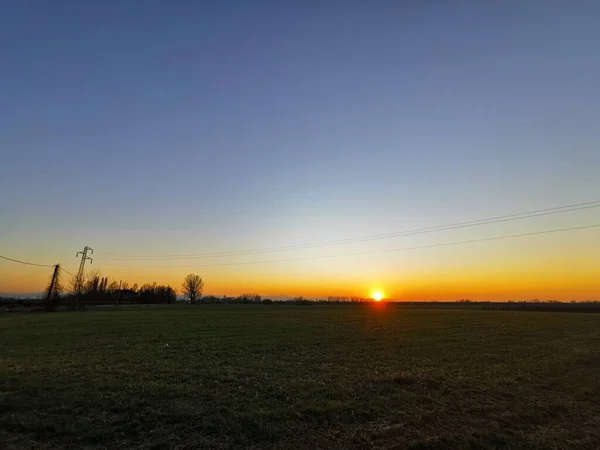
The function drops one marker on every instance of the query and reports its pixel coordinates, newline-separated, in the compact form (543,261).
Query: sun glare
(377,296)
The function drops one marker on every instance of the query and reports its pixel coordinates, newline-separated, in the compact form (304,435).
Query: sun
(377,296)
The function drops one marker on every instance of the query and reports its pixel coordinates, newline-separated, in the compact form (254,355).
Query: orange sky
(558,266)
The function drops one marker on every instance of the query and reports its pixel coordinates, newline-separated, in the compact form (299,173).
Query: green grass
(299,377)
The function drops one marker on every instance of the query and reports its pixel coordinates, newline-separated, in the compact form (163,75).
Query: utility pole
(79,277)
(119,292)
(52,289)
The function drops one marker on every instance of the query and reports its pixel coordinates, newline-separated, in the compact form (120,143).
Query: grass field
(299,377)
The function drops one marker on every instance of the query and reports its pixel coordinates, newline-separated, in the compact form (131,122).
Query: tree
(153,293)
(166,294)
(249,298)
(78,283)
(113,287)
(192,287)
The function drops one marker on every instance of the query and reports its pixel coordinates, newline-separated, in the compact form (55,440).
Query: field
(299,377)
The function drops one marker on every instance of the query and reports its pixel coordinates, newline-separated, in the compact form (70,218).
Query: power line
(65,270)
(487,221)
(25,262)
(510,236)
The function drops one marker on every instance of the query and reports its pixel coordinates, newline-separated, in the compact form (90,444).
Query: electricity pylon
(84,258)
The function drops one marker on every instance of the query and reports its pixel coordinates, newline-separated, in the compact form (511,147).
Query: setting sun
(377,296)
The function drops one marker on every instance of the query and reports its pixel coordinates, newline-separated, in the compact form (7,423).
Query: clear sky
(150,128)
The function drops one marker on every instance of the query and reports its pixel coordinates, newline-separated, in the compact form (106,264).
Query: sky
(149,129)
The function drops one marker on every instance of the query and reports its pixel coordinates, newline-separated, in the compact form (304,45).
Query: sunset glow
(377,296)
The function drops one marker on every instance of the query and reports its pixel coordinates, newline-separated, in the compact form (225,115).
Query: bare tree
(153,293)
(249,298)
(192,287)
(93,283)
(77,283)
(113,287)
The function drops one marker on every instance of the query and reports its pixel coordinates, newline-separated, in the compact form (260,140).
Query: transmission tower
(84,258)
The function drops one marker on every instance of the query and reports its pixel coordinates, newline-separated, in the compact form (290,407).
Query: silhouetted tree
(153,293)
(77,284)
(249,298)
(113,287)
(166,294)
(192,287)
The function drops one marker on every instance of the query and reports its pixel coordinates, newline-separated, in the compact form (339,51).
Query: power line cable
(375,237)
(510,236)
(25,262)
(487,221)
(65,270)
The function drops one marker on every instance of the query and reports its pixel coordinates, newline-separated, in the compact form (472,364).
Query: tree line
(93,288)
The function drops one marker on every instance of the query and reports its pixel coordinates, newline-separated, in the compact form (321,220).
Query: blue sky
(153,128)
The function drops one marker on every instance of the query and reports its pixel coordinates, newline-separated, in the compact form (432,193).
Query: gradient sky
(145,128)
